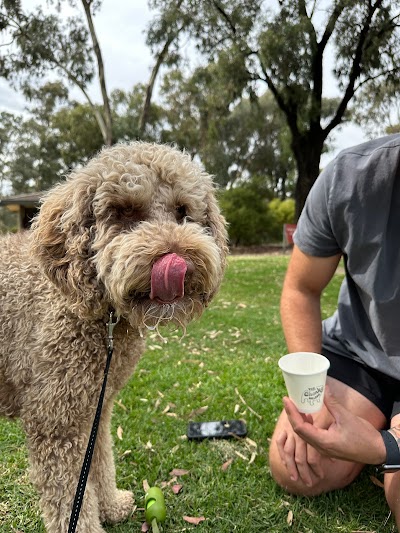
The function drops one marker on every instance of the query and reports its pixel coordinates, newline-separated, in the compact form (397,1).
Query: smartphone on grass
(220,429)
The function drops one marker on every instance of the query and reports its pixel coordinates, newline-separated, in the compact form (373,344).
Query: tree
(286,49)
(235,137)
(66,50)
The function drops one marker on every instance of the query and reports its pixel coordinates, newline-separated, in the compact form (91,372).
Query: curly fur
(91,249)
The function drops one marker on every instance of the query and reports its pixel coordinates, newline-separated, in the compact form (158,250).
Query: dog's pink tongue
(168,277)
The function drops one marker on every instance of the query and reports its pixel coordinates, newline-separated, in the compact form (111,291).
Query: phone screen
(215,429)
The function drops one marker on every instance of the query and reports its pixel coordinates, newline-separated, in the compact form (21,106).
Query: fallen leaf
(250,442)
(146,485)
(120,431)
(194,520)
(198,411)
(145,527)
(252,458)
(179,472)
(226,465)
(176,488)
(241,455)
(289,518)
(377,482)
(126,452)
(121,405)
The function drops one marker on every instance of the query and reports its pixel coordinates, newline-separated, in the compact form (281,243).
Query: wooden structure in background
(25,205)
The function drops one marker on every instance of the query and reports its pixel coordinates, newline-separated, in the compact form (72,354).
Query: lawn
(224,367)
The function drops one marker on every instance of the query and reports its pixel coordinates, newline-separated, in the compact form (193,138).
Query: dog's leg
(114,505)
(56,461)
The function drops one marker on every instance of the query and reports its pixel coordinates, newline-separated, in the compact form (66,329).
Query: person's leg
(392,483)
(334,474)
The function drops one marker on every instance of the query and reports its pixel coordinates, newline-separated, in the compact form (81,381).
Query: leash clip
(111,325)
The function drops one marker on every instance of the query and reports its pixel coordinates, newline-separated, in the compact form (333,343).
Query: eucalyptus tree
(288,47)
(43,43)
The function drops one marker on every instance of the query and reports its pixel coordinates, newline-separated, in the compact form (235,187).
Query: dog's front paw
(117,508)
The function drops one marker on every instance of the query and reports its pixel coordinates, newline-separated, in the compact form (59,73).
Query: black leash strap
(80,490)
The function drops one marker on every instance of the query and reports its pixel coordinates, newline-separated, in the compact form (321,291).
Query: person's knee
(392,493)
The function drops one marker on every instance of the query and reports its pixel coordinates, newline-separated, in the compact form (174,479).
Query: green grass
(225,367)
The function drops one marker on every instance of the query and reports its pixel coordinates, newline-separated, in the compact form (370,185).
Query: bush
(251,217)
(247,216)
(280,212)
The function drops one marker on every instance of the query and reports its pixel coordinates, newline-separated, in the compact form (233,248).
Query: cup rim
(318,355)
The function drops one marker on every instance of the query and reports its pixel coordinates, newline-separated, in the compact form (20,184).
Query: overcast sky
(120,26)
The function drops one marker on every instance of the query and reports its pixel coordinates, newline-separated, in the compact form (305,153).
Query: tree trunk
(307,150)
(107,130)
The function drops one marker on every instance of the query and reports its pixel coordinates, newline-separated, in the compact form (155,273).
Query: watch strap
(392,445)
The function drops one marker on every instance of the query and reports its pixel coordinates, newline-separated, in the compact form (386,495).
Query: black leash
(80,490)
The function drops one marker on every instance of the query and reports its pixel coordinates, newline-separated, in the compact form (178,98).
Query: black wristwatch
(391,438)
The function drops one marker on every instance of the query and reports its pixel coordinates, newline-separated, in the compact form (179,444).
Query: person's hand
(348,437)
(301,460)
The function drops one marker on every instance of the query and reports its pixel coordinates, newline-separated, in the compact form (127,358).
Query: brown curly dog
(137,231)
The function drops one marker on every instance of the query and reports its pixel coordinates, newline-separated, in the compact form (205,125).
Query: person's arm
(305,280)
(349,437)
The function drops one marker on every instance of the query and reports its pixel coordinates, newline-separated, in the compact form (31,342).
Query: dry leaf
(126,452)
(145,527)
(289,518)
(198,411)
(120,432)
(146,485)
(176,488)
(377,482)
(250,442)
(121,405)
(252,458)
(194,520)
(179,472)
(226,465)
(241,455)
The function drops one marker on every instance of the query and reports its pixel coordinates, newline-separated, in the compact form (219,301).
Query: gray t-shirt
(354,209)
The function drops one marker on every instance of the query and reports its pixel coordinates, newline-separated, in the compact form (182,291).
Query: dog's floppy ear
(62,235)
(217,223)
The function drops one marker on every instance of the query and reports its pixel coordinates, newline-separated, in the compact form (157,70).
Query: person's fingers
(280,442)
(314,459)
(289,457)
(303,468)
(295,417)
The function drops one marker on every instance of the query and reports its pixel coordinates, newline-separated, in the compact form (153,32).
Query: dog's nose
(168,278)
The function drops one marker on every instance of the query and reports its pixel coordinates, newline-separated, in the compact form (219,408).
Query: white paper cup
(305,377)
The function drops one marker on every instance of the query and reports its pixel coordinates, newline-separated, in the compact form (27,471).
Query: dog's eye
(131,213)
(181,213)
